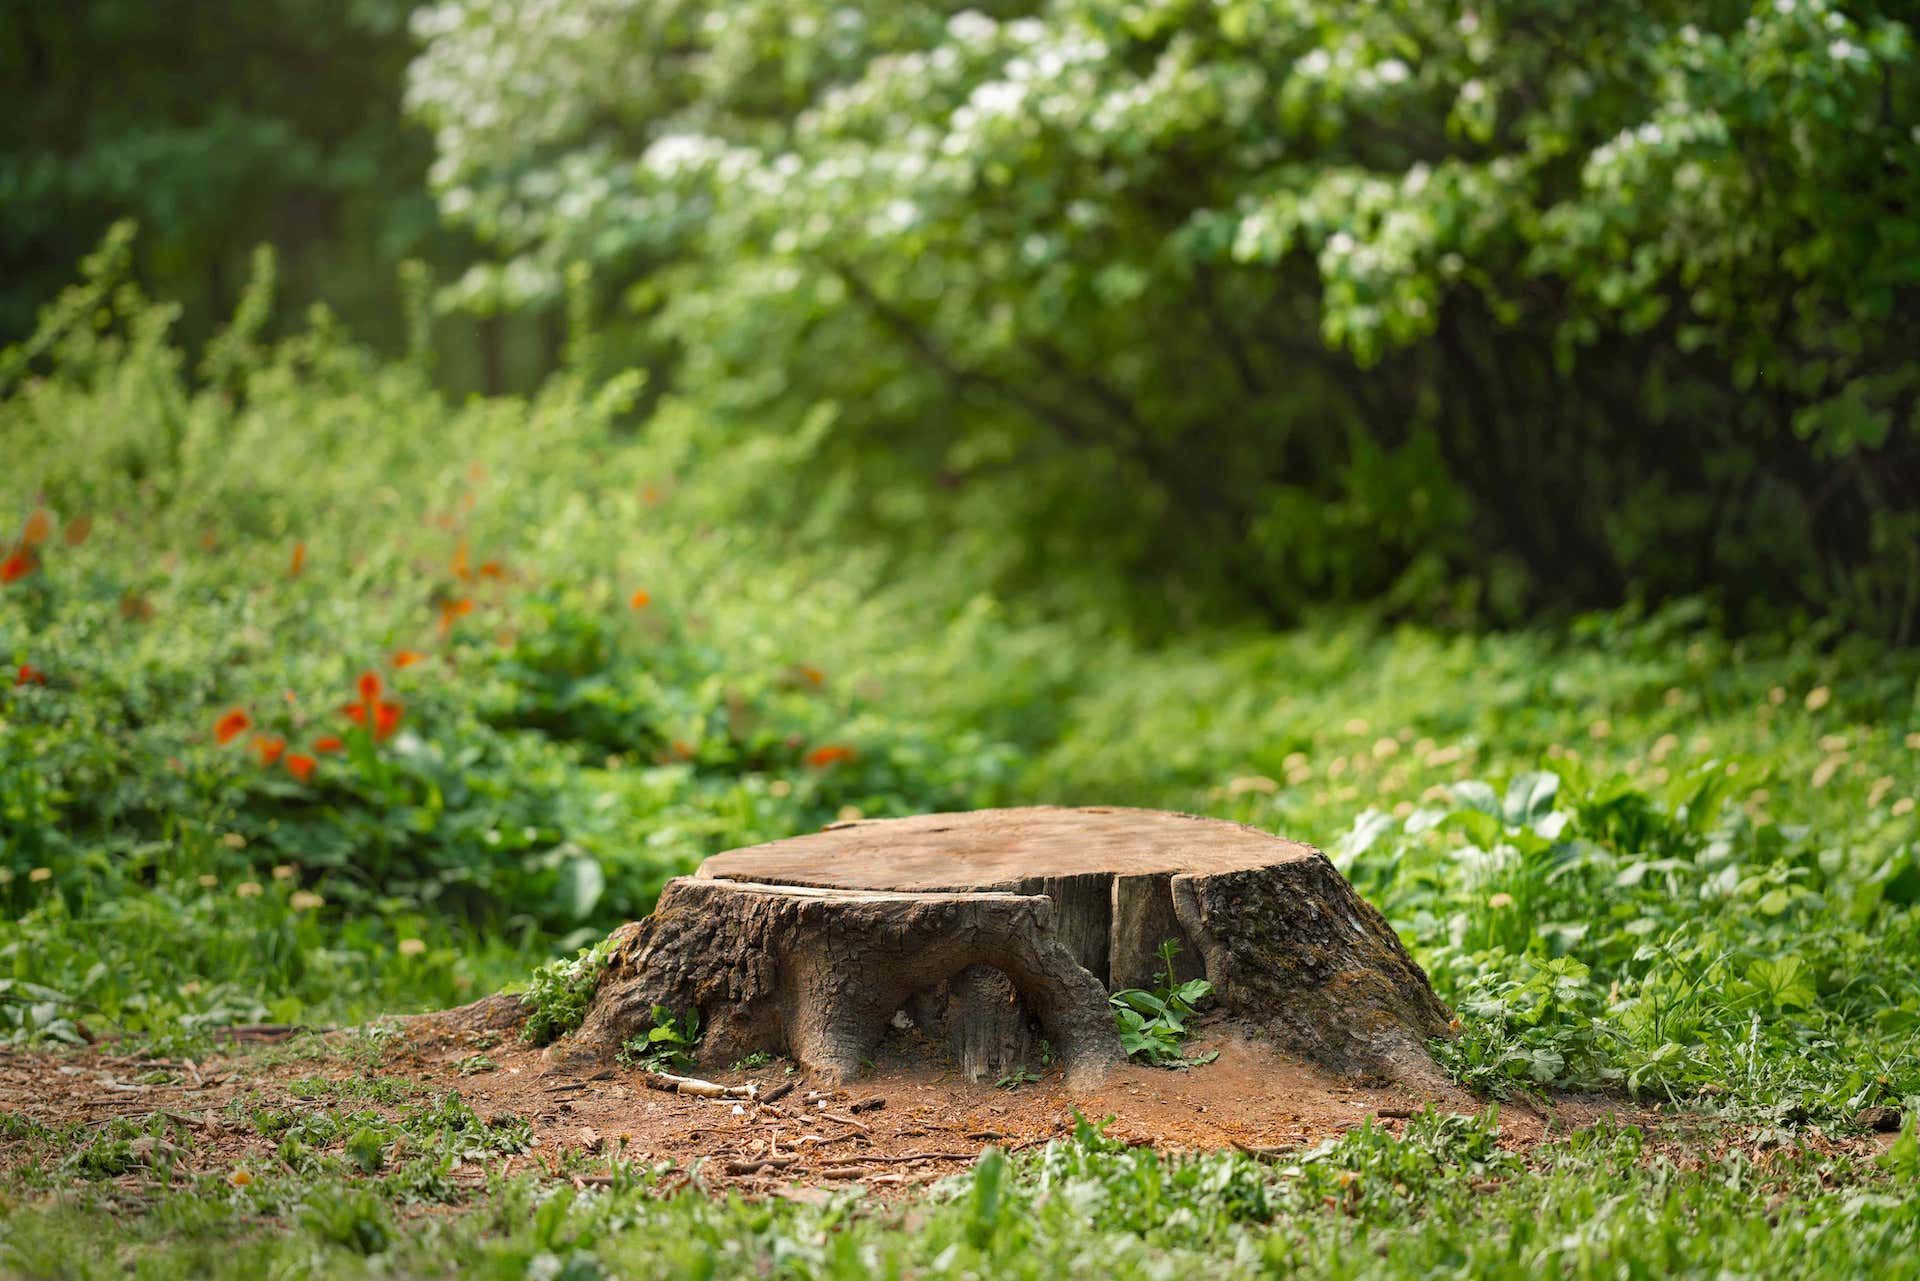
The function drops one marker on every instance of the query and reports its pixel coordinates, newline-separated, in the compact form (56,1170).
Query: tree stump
(991,930)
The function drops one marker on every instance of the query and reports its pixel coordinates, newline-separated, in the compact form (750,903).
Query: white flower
(970,26)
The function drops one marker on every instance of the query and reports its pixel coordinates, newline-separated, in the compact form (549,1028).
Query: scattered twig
(266,1033)
(695,1086)
(904,1177)
(1261,1152)
(759,1165)
(905,1157)
(814,1140)
(779,1091)
(845,1172)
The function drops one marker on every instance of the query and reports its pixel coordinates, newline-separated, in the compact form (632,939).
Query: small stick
(1262,1153)
(266,1032)
(809,1140)
(758,1165)
(844,1120)
(905,1157)
(693,1085)
(779,1091)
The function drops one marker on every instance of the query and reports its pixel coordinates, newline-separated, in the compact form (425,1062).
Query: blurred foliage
(217,126)
(1463,308)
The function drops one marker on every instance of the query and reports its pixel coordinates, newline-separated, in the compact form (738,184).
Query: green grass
(1634,854)
(1444,1199)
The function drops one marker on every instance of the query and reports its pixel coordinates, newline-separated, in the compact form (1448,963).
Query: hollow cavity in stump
(994,930)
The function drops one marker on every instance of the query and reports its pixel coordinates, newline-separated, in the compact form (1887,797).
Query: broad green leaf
(1530,798)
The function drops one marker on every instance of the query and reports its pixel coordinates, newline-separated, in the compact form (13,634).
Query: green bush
(1465,310)
(559,993)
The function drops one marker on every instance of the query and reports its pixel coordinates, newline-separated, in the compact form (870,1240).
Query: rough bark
(820,973)
(1294,950)
(988,931)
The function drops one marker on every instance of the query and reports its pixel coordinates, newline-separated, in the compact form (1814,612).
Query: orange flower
(493,569)
(299,560)
(369,687)
(269,747)
(405,658)
(327,743)
(821,757)
(16,567)
(38,526)
(30,675)
(386,719)
(640,599)
(231,726)
(77,530)
(460,569)
(301,766)
(452,611)
(811,675)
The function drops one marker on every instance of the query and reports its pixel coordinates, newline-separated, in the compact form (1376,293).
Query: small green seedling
(668,1044)
(559,992)
(1153,1024)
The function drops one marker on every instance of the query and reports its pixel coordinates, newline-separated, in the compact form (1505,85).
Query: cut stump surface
(987,931)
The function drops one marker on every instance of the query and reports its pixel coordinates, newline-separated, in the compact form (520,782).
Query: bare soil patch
(904,1124)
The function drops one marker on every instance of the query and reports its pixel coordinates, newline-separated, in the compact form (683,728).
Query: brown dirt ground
(909,1123)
